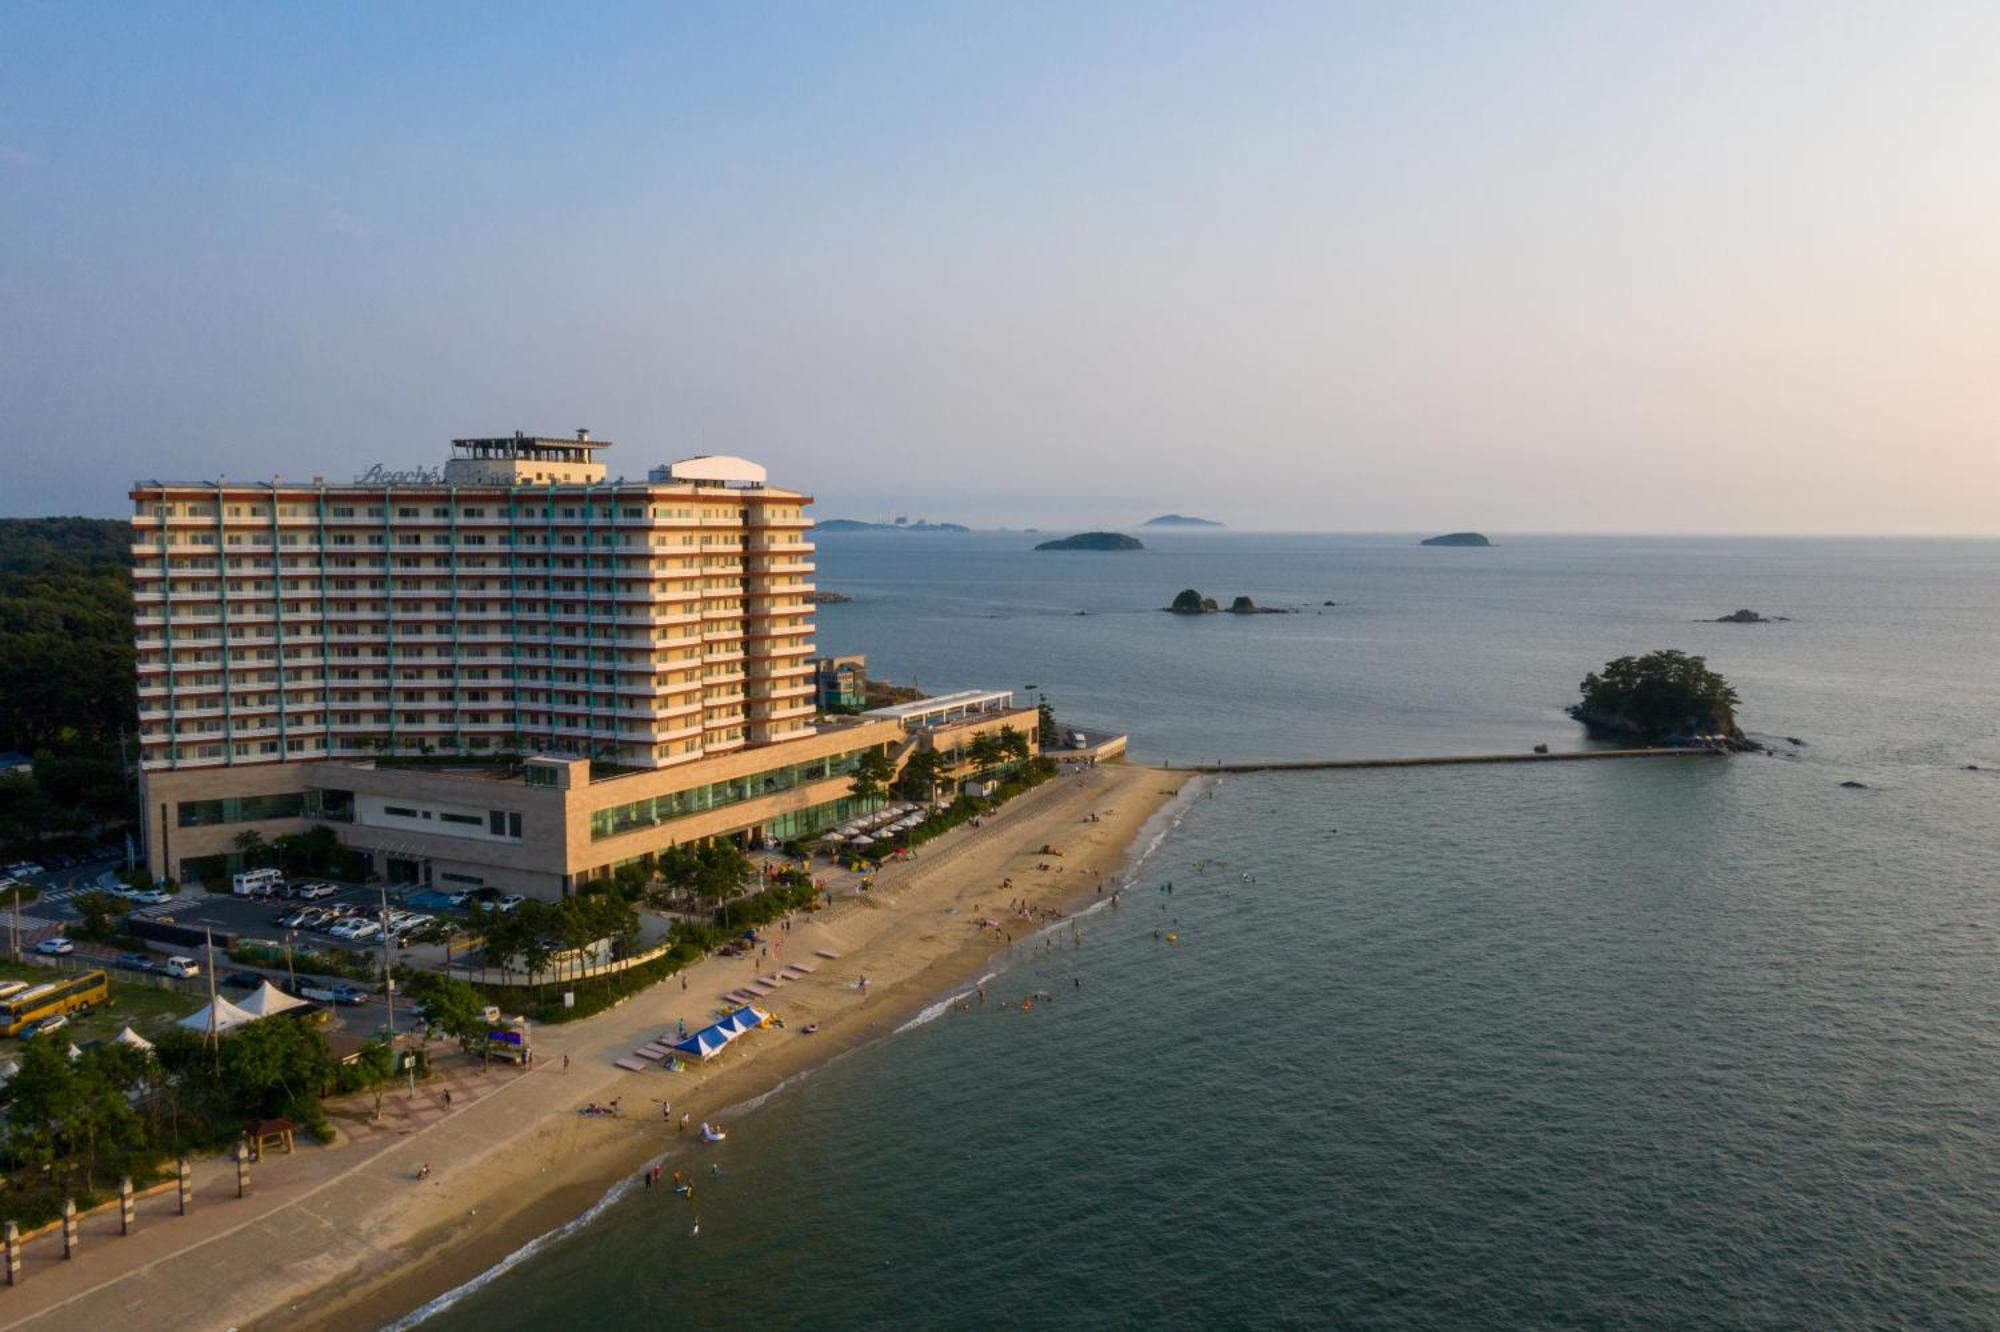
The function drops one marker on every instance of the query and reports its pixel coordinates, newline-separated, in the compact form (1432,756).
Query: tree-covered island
(1662,698)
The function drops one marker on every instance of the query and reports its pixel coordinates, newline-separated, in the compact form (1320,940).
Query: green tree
(871,775)
(101,914)
(921,775)
(986,753)
(276,1067)
(1013,744)
(1045,722)
(1667,694)
(450,1007)
(255,851)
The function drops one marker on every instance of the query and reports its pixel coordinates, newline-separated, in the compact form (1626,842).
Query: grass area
(134,1004)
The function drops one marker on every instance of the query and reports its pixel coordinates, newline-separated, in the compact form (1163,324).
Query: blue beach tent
(711,1040)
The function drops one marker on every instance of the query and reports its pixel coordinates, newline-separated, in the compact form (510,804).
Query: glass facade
(660,809)
(244,809)
(335,805)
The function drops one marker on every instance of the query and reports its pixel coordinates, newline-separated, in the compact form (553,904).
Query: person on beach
(684,1122)
(424,1171)
(565,1063)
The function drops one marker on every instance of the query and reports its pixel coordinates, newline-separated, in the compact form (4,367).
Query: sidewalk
(150,1290)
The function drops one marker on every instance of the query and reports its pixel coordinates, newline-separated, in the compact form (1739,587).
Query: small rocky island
(1094,541)
(1179,520)
(900,525)
(1662,698)
(1747,616)
(1456,539)
(820,596)
(1191,602)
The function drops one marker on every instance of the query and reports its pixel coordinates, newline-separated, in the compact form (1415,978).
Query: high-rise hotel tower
(518,601)
(510,670)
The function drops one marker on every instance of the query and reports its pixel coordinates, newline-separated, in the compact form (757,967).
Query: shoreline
(527,1182)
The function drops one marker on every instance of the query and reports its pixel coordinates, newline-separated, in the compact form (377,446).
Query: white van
(181,968)
(257,883)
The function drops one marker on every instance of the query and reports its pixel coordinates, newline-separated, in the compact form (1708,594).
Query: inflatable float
(711,1132)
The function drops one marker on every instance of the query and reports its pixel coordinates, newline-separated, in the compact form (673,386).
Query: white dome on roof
(722,467)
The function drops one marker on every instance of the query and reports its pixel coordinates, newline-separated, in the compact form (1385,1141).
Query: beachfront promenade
(1433,761)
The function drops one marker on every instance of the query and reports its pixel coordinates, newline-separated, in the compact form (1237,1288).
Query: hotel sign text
(378,475)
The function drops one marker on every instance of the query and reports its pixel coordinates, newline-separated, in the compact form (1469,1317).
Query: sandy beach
(368,1243)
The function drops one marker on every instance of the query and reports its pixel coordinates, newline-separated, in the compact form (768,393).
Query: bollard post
(242,1171)
(128,1207)
(13,1254)
(69,1228)
(186,1178)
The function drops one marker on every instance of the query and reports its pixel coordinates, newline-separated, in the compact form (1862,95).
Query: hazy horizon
(1525,269)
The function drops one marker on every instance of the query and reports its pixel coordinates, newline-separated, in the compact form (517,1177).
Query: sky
(1572,267)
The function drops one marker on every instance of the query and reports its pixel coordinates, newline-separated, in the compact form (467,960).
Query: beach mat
(630,1064)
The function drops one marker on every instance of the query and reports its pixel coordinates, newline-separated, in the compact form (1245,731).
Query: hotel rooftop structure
(510,670)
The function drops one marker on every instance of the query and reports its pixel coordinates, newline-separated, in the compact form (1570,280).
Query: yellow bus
(78,994)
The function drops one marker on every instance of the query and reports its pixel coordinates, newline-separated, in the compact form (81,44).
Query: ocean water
(1680,1044)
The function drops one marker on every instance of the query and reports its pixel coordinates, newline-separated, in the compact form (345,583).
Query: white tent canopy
(269,999)
(218,1016)
(133,1039)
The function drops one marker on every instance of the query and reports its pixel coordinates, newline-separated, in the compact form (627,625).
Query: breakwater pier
(1431,761)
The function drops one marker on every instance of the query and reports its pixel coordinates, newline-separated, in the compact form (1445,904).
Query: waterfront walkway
(1308,765)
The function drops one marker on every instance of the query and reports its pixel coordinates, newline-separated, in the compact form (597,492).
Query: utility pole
(214,1018)
(388,980)
(290,970)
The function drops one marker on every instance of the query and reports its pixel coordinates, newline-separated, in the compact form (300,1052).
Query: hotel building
(508,671)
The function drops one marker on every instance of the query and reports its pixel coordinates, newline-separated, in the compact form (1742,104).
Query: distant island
(1747,617)
(1456,539)
(1190,602)
(1662,698)
(1094,541)
(856,525)
(819,596)
(1180,520)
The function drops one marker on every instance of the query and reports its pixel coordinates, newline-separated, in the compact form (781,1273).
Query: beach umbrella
(834,837)
(863,839)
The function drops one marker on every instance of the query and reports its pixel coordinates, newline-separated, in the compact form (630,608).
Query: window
(399,811)
(471,820)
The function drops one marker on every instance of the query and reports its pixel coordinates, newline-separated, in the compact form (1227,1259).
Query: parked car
(332,992)
(181,968)
(45,1026)
(509,902)
(25,869)
(313,891)
(242,980)
(150,897)
(135,961)
(55,947)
